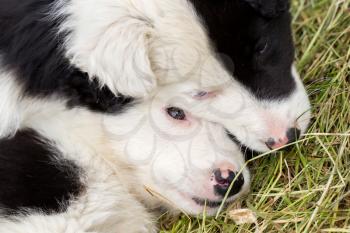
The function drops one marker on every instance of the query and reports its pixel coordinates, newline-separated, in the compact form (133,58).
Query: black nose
(223,183)
(270,143)
(293,134)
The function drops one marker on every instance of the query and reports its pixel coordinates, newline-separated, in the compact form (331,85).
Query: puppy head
(255,42)
(134,48)
(178,159)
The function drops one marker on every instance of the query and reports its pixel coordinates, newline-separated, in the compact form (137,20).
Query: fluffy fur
(254,39)
(166,163)
(34,175)
(130,48)
(93,81)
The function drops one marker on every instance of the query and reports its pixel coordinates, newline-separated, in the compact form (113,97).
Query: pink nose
(291,136)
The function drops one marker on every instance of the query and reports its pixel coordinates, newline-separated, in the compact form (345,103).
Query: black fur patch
(81,92)
(257,38)
(31,46)
(271,8)
(34,177)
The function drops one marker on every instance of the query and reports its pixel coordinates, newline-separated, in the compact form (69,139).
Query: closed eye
(202,95)
(262,48)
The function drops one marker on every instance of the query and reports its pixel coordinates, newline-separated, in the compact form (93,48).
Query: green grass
(308,188)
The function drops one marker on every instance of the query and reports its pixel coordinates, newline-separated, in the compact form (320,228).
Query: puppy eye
(262,48)
(176,113)
(201,94)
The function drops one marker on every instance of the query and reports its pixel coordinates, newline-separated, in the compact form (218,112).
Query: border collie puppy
(73,170)
(51,49)
(256,36)
(109,104)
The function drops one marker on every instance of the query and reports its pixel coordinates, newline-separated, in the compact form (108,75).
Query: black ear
(269,8)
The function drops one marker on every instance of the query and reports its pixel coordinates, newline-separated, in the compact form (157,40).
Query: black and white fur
(131,48)
(254,39)
(86,87)
(89,172)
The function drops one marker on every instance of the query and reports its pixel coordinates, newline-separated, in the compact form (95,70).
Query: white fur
(254,121)
(133,47)
(157,50)
(110,40)
(126,158)
(106,205)
(10,116)
(130,46)
(251,120)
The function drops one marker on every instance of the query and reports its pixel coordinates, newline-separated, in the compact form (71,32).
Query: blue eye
(176,113)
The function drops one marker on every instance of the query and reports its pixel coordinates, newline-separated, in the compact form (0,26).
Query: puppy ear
(112,47)
(269,8)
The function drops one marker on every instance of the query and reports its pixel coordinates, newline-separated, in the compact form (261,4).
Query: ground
(308,188)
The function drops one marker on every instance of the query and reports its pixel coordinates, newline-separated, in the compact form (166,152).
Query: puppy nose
(292,135)
(223,180)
